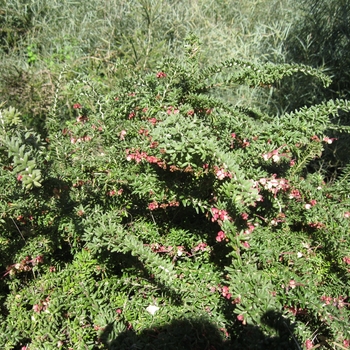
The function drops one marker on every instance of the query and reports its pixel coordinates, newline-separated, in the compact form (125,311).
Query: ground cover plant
(149,205)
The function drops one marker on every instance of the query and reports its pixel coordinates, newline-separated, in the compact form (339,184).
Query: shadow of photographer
(201,334)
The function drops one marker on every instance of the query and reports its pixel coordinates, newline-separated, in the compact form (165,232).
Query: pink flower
(118,311)
(317,225)
(292,284)
(220,174)
(221,236)
(225,292)
(308,344)
(347,214)
(153,121)
(122,135)
(152,159)
(143,132)
(328,140)
(172,110)
(201,246)
(327,300)
(250,229)
(77,106)
(153,206)
(240,318)
(39,259)
(19,177)
(295,194)
(313,202)
(87,138)
(346,259)
(244,216)
(245,143)
(237,300)
(37,308)
(219,215)
(246,244)
(161,75)
(346,343)
(82,119)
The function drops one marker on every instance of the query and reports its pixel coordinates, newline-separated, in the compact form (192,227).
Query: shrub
(159,202)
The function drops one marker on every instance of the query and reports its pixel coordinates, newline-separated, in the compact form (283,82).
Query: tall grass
(97,37)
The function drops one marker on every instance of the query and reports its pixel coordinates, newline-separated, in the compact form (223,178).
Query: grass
(41,39)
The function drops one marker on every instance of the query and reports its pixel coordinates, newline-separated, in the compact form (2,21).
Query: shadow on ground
(197,334)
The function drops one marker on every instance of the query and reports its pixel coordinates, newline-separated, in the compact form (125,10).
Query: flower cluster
(339,302)
(329,140)
(84,138)
(42,306)
(24,266)
(171,110)
(309,205)
(220,173)
(294,193)
(308,344)
(200,247)
(324,139)
(274,185)
(296,310)
(219,215)
(220,236)
(241,319)
(161,75)
(177,251)
(225,292)
(138,156)
(77,106)
(250,229)
(114,192)
(155,205)
(317,225)
(276,155)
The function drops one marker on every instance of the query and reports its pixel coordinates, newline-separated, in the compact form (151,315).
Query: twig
(18,229)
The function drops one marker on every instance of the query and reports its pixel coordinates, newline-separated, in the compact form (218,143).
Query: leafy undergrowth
(159,216)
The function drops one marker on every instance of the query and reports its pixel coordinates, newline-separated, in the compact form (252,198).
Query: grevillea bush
(161,216)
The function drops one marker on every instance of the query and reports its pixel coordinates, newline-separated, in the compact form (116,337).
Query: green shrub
(158,203)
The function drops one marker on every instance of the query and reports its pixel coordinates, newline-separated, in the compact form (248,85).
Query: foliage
(320,38)
(40,39)
(155,203)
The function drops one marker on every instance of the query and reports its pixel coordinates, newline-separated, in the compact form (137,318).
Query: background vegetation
(173,175)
